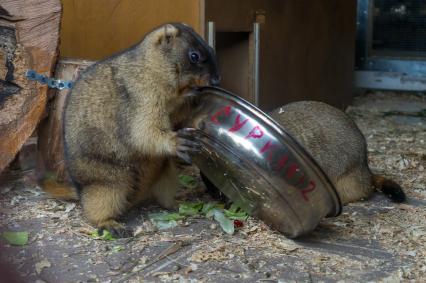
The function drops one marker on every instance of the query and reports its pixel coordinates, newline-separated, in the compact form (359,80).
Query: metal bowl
(258,165)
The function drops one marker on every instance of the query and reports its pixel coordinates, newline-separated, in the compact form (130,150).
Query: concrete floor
(374,240)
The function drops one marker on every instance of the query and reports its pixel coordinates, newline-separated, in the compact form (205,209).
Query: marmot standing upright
(119,119)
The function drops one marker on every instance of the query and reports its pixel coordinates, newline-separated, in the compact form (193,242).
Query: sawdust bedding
(374,240)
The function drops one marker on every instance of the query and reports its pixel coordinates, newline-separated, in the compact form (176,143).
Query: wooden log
(50,159)
(29,32)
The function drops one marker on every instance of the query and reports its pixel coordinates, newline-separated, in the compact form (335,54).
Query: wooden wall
(94,29)
(307,47)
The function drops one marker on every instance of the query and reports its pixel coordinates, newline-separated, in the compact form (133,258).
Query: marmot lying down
(337,145)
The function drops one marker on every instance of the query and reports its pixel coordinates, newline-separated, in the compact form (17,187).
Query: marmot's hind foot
(116,229)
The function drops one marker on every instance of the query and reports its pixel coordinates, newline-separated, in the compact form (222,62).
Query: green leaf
(190,208)
(16,238)
(234,208)
(106,235)
(165,216)
(116,249)
(235,213)
(165,220)
(226,223)
(236,216)
(188,181)
(209,206)
(162,225)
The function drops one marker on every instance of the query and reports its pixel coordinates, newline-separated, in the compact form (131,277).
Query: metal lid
(258,165)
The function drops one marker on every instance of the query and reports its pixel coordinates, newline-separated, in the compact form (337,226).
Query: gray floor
(374,240)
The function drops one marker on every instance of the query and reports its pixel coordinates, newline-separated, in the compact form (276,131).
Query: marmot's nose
(215,80)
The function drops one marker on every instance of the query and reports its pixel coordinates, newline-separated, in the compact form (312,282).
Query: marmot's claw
(185,157)
(187,142)
(188,145)
(188,133)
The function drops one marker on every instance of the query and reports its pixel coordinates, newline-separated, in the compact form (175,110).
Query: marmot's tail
(58,189)
(390,188)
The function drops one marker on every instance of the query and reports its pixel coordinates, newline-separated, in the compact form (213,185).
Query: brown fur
(338,146)
(389,187)
(118,123)
(58,190)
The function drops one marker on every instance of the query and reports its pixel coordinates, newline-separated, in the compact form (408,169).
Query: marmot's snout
(207,80)
(215,80)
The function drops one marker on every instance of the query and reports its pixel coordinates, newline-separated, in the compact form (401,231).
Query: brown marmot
(338,146)
(119,122)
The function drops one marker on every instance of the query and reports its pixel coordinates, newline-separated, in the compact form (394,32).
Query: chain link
(52,83)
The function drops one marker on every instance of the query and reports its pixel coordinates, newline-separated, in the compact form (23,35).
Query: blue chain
(52,83)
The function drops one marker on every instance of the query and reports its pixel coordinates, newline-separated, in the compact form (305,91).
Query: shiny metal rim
(287,139)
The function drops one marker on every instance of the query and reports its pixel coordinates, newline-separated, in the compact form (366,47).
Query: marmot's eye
(194,57)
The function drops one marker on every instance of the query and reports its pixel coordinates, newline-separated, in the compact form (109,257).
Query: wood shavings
(288,245)
(218,253)
(371,241)
(39,266)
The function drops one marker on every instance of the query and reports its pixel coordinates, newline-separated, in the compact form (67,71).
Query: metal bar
(383,64)
(256,63)
(211,35)
(389,81)
(362,32)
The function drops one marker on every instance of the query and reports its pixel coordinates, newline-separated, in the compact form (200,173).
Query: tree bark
(29,32)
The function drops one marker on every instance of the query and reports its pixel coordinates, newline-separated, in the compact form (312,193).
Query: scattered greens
(226,223)
(162,225)
(188,181)
(225,217)
(210,206)
(190,209)
(235,213)
(165,220)
(106,235)
(165,216)
(16,238)
(116,249)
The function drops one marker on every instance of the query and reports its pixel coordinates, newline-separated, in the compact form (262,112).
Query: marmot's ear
(166,34)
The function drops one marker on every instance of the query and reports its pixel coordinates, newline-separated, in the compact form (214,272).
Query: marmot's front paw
(186,142)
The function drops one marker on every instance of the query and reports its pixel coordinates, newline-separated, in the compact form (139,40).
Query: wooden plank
(306,47)
(29,31)
(50,159)
(239,15)
(104,29)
